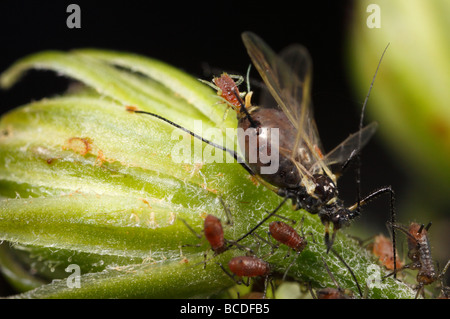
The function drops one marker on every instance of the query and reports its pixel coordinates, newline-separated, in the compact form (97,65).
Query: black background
(197,36)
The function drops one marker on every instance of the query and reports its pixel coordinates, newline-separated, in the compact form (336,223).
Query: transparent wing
(351,146)
(288,78)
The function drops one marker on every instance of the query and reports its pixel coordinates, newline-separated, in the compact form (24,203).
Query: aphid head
(338,216)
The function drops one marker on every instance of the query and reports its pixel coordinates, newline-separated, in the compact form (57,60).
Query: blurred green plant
(85,182)
(412,96)
(411,100)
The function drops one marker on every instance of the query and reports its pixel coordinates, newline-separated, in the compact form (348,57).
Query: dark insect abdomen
(286,175)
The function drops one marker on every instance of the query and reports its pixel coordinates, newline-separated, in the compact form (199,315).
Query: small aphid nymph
(214,234)
(419,252)
(382,248)
(248,266)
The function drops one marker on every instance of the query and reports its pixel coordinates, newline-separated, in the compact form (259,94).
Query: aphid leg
(290,265)
(227,212)
(264,219)
(349,269)
(329,242)
(239,79)
(266,282)
(225,114)
(331,275)
(444,270)
(244,110)
(375,194)
(300,226)
(413,265)
(445,291)
(311,291)
(211,84)
(192,230)
(205,255)
(267,241)
(420,289)
(233,277)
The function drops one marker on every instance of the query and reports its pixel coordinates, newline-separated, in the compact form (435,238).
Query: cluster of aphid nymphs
(251,265)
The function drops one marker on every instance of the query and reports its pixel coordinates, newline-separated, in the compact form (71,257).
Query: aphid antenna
(349,269)
(361,123)
(235,155)
(358,159)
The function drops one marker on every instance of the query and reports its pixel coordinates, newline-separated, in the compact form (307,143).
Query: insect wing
(284,85)
(351,146)
(288,78)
